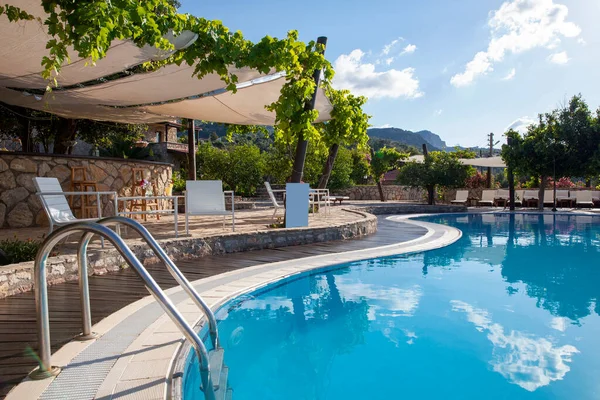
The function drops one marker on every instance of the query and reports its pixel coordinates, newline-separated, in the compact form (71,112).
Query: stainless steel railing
(41,299)
(160,253)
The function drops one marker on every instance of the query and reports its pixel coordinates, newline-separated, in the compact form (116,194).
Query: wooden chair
(81,183)
(137,175)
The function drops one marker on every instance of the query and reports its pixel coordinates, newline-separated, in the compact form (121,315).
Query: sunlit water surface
(510,311)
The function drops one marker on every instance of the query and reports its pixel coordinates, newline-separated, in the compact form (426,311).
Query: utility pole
(489,170)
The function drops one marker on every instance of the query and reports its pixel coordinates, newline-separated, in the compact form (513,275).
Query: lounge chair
(519,194)
(271,193)
(562,196)
(584,198)
(596,198)
(461,197)
(530,196)
(487,198)
(549,196)
(502,196)
(207,198)
(56,205)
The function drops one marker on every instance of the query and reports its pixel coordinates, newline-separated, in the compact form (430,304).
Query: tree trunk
(333,150)
(431,195)
(380,187)
(67,129)
(543,182)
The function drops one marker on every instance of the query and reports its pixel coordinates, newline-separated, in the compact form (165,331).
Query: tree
(348,126)
(383,161)
(564,142)
(439,169)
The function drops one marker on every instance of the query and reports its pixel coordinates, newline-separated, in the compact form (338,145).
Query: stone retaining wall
(413,209)
(20,207)
(391,192)
(18,278)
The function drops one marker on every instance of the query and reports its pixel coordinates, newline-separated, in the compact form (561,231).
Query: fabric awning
(162,95)
(492,162)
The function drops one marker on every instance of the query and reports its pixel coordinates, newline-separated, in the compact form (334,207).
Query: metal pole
(302,146)
(511,182)
(191,151)
(41,297)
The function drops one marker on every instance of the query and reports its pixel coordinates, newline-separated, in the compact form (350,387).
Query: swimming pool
(510,311)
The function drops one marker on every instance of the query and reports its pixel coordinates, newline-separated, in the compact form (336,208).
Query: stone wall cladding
(18,278)
(391,192)
(20,207)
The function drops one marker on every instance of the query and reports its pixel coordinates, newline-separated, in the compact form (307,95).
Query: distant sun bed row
(530,198)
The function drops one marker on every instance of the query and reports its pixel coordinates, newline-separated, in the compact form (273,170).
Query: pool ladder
(213,372)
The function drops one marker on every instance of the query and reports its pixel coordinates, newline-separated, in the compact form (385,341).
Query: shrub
(20,250)
(476,181)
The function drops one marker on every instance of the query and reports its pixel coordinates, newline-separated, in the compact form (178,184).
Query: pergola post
(302,146)
(511,182)
(191,151)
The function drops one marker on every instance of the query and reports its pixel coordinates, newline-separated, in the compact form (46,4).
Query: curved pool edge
(436,236)
(160,335)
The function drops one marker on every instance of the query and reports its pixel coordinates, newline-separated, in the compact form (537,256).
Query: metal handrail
(41,300)
(151,242)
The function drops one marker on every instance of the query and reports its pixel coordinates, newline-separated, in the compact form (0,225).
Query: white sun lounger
(273,199)
(487,198)
(207,198)
(461,197)
(584,198)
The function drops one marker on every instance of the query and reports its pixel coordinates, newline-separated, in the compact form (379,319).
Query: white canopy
(492,162)
(157,96)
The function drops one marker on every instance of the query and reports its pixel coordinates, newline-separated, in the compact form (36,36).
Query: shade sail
(492,162)
(157,96)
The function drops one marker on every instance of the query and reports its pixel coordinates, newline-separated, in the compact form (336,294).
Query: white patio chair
(584,198)
(56,205)
(207,198)
(461,197)
(320,198)
(487,198)
(271,193)
(519,195)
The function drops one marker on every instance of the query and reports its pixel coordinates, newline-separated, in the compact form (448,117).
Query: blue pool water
(510,311)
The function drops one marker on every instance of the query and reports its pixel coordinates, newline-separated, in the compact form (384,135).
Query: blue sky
(459,68)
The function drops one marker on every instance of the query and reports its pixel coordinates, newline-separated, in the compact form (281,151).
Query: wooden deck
(111,292)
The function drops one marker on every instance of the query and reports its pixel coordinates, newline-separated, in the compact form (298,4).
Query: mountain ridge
(410,138)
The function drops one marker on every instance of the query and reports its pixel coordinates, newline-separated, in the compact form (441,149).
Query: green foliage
(179,178)
(383,161)
(341,174)
(241,168)
(440,169)
(565,142)
(360,167)
(20,250)
(349,123)
(125,148)
(377,143)
(106,134)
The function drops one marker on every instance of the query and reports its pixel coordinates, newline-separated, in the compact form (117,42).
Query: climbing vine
(90,27)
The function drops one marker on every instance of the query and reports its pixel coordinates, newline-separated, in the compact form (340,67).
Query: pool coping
(216,290)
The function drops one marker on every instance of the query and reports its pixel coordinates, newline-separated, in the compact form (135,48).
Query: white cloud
(384,126)
(409,49)
(510,75)
(521,124)
(388,47)
(438,112)
(559,58)
(581,41)
(559,323)
(525,360)
(388,61)
(361,78)
(518,26)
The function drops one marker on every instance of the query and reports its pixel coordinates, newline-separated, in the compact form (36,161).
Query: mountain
(416,139)
(433,139)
